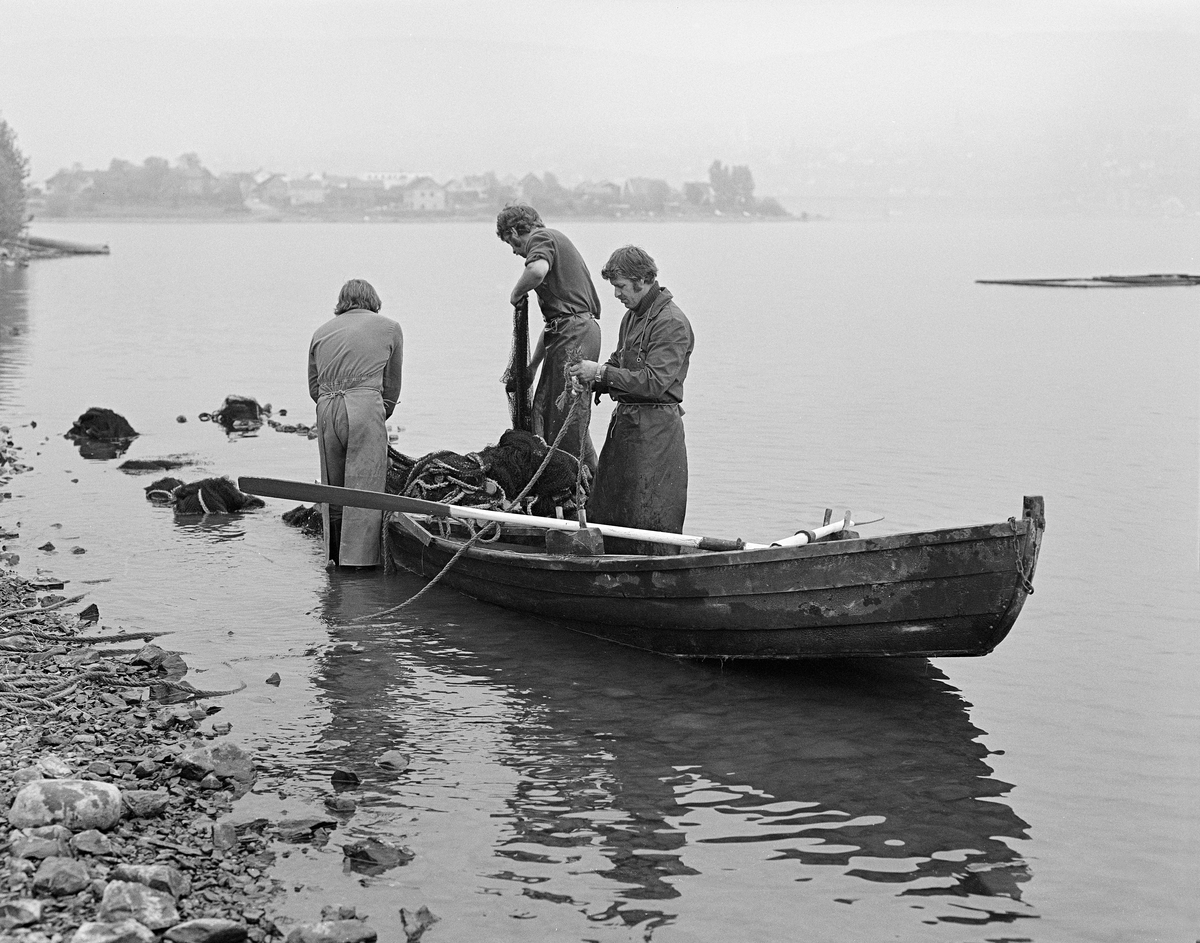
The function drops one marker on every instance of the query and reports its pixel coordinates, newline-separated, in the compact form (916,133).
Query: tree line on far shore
(14,171)
(157,186)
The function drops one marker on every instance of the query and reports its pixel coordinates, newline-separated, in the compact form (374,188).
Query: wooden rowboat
(933,593)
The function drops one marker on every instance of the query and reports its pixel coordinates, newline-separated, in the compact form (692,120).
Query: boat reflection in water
(594,783)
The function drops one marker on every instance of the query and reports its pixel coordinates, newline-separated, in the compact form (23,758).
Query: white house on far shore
(424,195)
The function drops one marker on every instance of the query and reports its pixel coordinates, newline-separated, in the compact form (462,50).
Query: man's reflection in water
(649,767)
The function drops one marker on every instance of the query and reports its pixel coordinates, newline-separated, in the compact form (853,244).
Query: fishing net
(494,476)
(516,378)
(207,496)
(449,478)
(102,425)
(238,414)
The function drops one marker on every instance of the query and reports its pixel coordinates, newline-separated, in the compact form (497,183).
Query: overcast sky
(600,88)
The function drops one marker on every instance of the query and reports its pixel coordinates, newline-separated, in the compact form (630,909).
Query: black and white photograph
(595,471)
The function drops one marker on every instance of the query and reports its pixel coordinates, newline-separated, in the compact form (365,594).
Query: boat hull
(953,592)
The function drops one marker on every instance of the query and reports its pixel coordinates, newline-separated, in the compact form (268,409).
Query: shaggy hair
(630,262)
(357,293)
(519,216)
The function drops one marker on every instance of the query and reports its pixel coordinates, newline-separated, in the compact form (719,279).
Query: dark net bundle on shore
(238,414)
(207,496)
(102,425)
(308,519)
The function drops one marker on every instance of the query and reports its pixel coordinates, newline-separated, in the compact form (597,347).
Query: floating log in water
(1099,281)
(65,247)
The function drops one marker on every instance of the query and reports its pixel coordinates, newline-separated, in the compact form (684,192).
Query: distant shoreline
(240,219)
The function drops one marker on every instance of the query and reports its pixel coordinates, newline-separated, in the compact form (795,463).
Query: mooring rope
(572,415)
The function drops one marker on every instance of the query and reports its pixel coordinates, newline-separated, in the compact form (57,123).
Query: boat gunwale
(483,553)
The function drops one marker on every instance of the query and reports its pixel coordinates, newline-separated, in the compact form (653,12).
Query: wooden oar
(379,501)
(809,536)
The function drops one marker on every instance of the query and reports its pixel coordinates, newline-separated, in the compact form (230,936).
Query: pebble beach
(118,780)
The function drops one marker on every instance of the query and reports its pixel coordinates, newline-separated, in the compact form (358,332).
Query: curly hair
(357,293)
(519,216)
(630,262)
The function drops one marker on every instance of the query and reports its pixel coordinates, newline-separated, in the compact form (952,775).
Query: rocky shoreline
(114,800)
(117,780)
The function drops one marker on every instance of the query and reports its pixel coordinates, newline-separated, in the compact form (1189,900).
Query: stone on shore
(62,876)
(127,900)
(55,767)
(75,803)
(224,835)
(145,803)
(225,761)
(333,931)
(195,762)
(36,848)
(207,930)
(53,832)
(393,760)
(161,877)
(20,913)
(27,774)
(232,762)
(415,923)
(91,842)
(124,931)
(371,856)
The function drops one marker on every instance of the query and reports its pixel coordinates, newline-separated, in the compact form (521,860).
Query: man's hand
(586,371)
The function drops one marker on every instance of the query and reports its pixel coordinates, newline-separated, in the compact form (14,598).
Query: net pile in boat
(492,477)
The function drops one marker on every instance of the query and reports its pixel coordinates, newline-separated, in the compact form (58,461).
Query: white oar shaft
(608,530)
(807,536)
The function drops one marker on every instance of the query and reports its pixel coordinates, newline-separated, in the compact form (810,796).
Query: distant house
(354,193)
(643,193)
(530,188)
(472,190)
(270,188)
(603,193)
(69,183)
(306,191)
(194,180)
(390,178)
(424,195)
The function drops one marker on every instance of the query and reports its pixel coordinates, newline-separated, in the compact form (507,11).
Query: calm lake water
(562,788)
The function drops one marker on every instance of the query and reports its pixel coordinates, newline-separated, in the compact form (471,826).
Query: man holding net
(643,475)
(570,308)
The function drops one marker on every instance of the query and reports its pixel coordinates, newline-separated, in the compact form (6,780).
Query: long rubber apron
(352,441)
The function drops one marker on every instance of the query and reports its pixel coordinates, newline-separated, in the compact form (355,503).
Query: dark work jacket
(643,473)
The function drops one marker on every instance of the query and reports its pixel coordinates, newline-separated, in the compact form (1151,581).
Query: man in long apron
(354,367)
(570,307)
(643,473)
